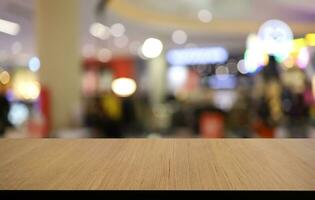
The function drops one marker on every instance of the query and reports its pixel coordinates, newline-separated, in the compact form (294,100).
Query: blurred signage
(197,56)
(277,38)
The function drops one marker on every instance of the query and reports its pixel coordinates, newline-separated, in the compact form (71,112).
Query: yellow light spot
(310,38)
(298,44)
(4,77)
(25,85)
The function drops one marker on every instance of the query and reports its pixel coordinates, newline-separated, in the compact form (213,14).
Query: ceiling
(232,21)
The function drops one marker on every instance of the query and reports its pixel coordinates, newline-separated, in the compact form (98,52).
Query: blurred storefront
(139,84)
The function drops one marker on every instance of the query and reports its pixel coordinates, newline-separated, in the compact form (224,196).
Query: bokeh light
(221,70)
(4,77)
(18,114)
(277,38)
(25,86)
(152,48)
(124,87)
(179,37)
(205,16)
(34,64)
(177,76)
(253,59)
(241,67)
(100,31)
(298,44)
(117,30)
(303,58)
(310,38)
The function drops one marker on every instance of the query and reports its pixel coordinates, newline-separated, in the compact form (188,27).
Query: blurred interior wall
(57,28)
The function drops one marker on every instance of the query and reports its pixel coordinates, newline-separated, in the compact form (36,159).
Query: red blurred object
(44,107)
(211,125)
(123,67)
(263,131)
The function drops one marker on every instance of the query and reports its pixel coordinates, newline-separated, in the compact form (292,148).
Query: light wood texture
(158,164)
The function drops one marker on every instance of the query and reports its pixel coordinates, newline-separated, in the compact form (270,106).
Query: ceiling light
(8,27)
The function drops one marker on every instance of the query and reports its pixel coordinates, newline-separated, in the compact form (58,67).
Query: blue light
(197,56)
(222,81)
(34,64)
(18,114)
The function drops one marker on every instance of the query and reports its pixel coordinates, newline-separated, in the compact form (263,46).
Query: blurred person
(296,102)
(239,115)
(4,111)
(179,120)
(297,112)
(210,121)
(129,120)
(93,116)
(268,105)
(263,125)
(144,113)
(271,70)
(112,114)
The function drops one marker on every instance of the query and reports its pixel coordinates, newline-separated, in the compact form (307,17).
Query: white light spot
(205,16)
(179,37)
(117,30)
(277,38)
(100,31)
(177,76)
(241,67)
(18,114)
(152,48)
(124,87)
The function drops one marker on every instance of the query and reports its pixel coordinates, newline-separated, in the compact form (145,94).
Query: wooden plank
(155,164)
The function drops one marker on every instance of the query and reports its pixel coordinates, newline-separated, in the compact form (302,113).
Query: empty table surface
(158,164)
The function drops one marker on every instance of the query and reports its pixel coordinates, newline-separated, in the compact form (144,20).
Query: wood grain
(158,164)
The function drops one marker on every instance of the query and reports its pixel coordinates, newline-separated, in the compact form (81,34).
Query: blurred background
(157,69)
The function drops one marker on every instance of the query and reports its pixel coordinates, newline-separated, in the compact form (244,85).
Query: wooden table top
(158,164)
